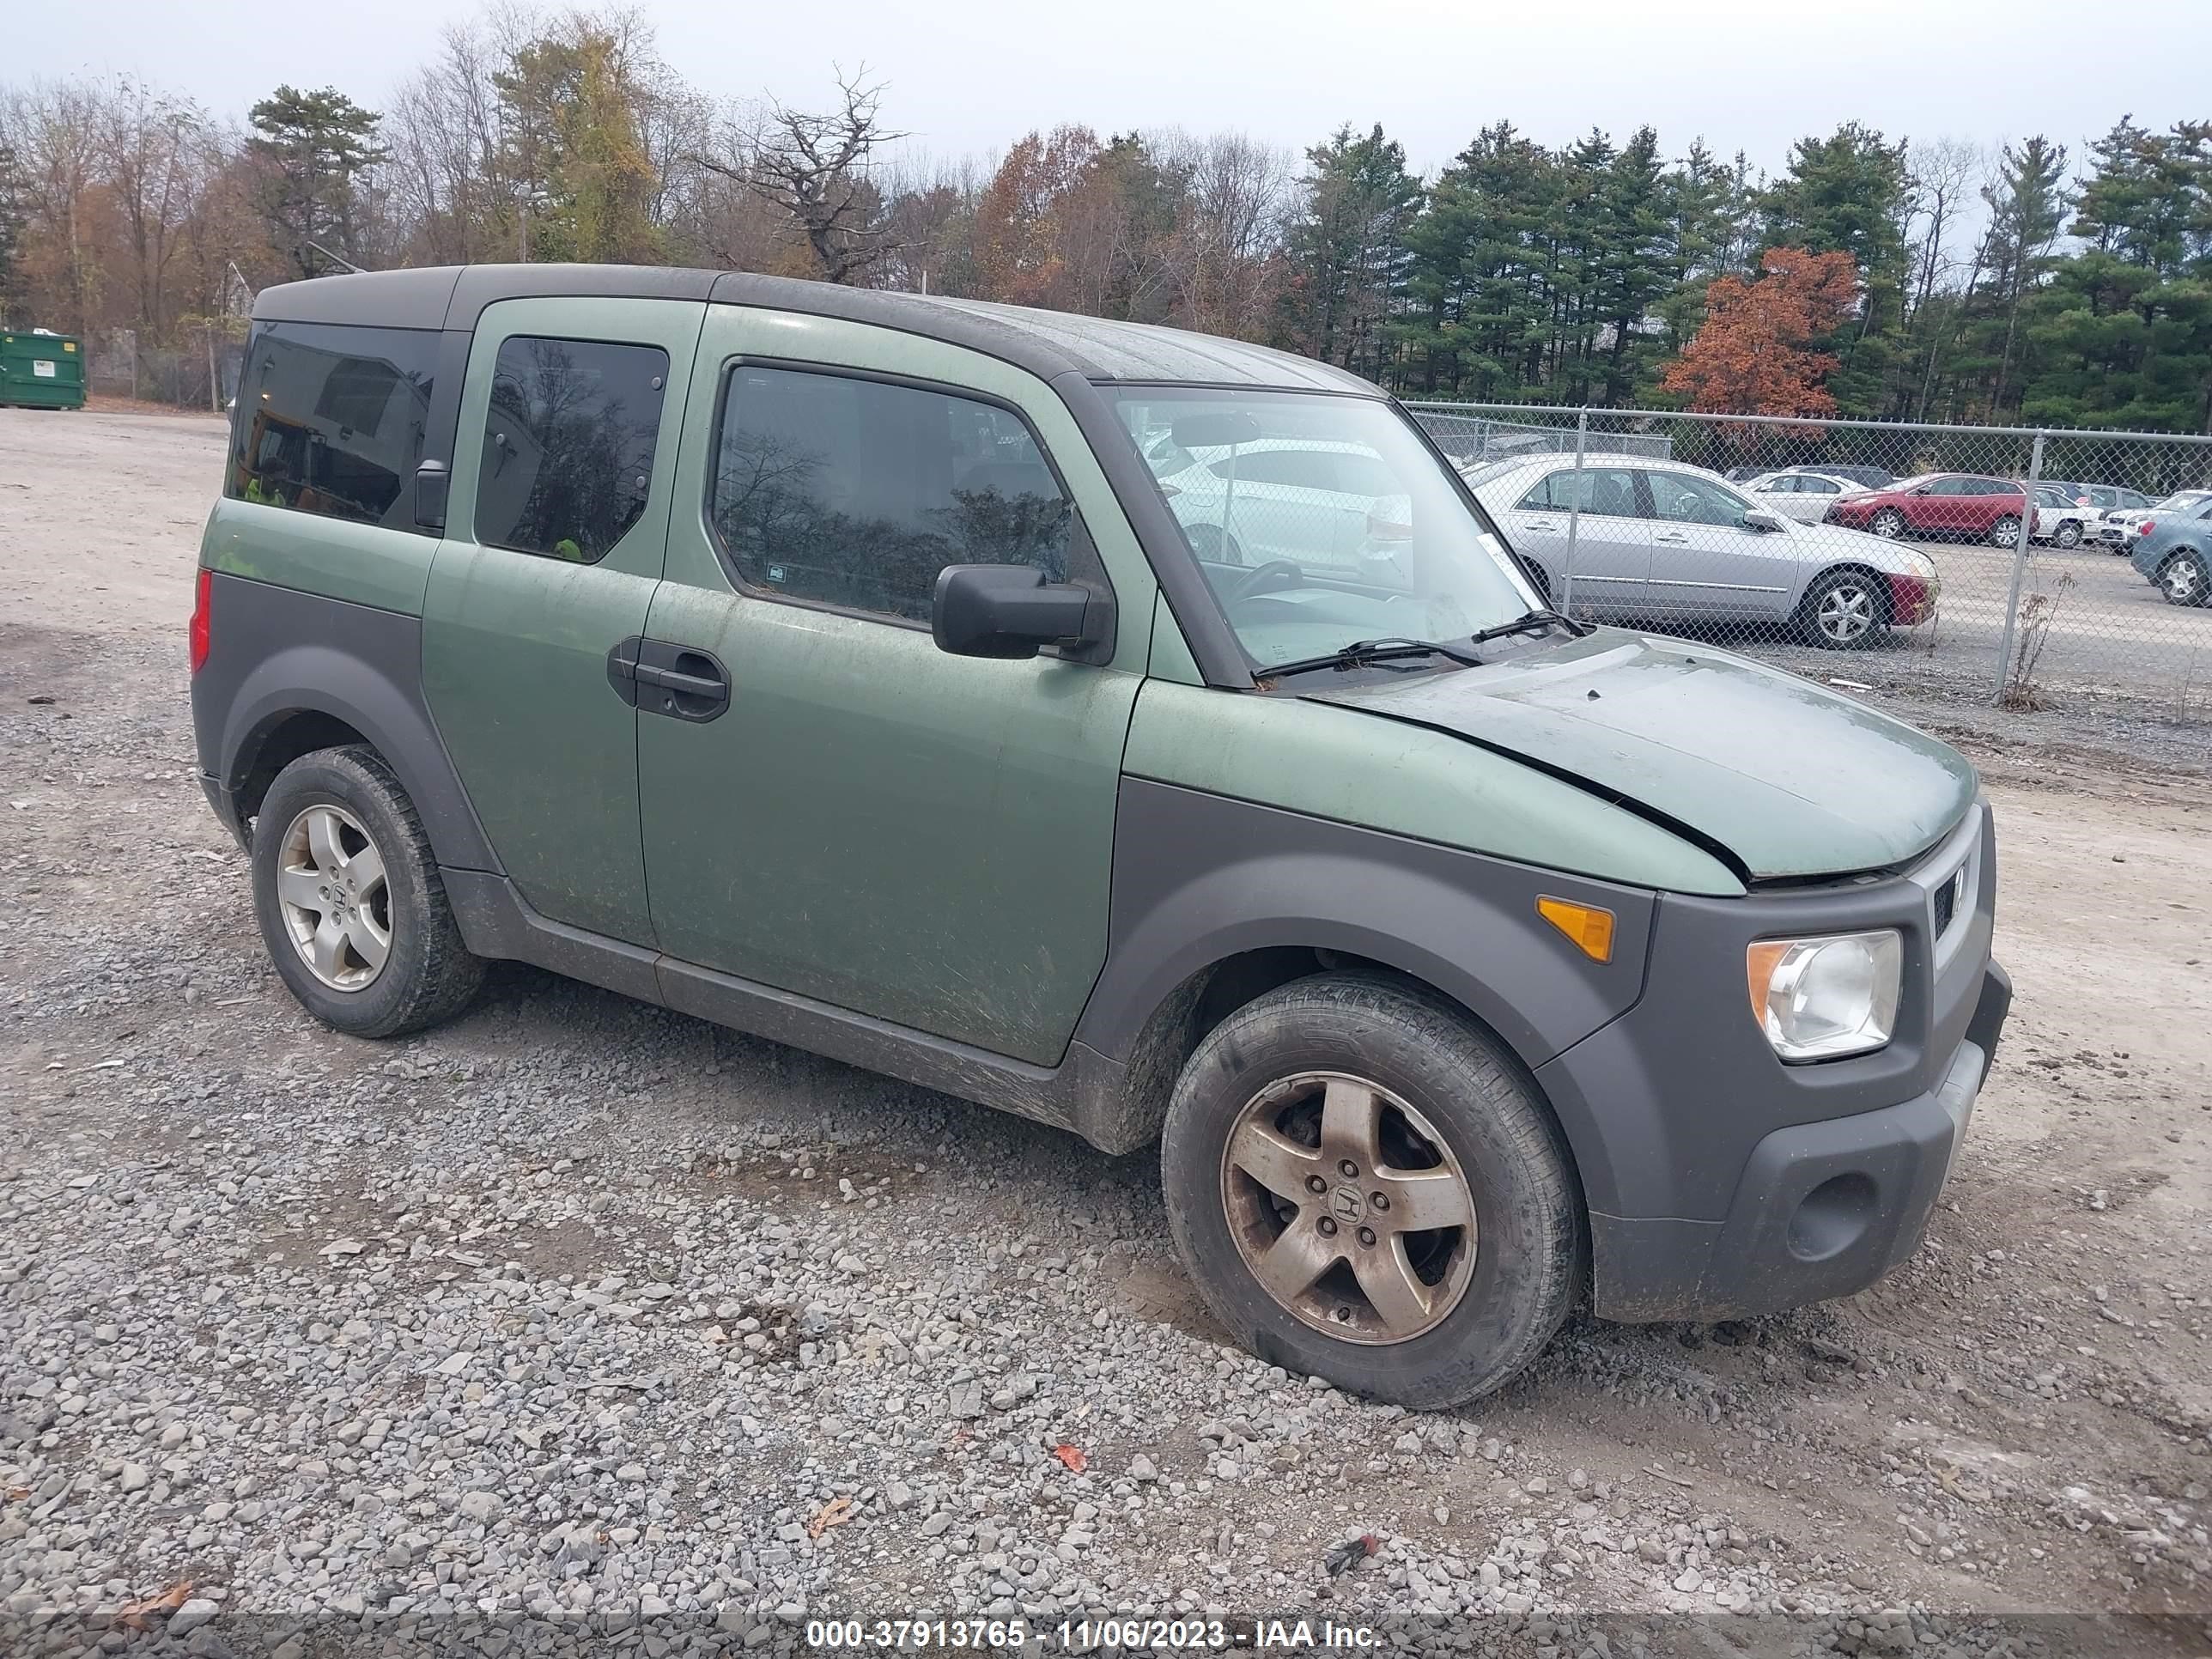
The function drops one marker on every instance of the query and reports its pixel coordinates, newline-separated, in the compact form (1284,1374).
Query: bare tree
(814,169)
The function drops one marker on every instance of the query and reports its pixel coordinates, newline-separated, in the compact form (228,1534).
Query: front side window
(1685,498)
(1352,528)
(833,489)
(568,445)
(329,419)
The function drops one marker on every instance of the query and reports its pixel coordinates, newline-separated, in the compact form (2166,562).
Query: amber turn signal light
(1589,928)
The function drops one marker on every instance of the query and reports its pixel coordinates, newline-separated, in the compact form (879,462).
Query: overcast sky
(970,75)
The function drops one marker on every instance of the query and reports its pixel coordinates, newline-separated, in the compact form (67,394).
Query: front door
(556,526)
(870,823)
(1706,559)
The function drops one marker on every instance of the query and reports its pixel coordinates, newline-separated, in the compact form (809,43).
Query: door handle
(657,677)
(1544,525)
(1674,538)
(690,686)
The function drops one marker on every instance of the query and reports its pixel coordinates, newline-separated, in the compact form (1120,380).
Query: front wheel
(2184,580)
(1843,610)
(1365,1189)
(2005,532)
(351,903)
(1888,524)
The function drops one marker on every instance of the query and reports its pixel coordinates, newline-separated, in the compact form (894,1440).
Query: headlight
(1818,998)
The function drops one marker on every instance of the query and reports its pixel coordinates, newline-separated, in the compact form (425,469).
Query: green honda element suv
(1143,733)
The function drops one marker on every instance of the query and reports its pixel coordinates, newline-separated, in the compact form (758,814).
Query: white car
(1291,499)
(1664,542)
(2060,519)
(1804,496)
(2117,528)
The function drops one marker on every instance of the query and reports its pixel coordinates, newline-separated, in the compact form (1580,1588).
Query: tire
(1208,543)
(1888,524)
(2068,535)
(1844,611)
(2183,580)
(1441,1088)
(2005,532)
(328,823)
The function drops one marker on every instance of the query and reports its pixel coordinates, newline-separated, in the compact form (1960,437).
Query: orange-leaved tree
(1756,354)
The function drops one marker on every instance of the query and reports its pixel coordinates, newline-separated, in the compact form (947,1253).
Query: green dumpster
(41,371)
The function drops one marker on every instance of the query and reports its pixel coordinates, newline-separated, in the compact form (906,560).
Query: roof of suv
(1045,342)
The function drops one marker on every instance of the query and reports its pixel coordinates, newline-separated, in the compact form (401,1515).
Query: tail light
(196,639)
(1380,529)
(2146,526)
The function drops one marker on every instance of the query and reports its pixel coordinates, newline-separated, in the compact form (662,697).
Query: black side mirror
(432,481)
(1006,611)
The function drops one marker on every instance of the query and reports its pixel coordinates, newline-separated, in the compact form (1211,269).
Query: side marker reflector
(1589,928)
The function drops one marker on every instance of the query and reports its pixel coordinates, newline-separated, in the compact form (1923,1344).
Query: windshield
(1320,520)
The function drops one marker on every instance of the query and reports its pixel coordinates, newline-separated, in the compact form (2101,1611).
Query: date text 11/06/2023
(1085,1635)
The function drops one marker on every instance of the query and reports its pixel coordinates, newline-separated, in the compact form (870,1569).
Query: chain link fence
(2024,568)
(200,373)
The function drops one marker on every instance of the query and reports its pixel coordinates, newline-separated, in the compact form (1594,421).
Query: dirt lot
(577,1310)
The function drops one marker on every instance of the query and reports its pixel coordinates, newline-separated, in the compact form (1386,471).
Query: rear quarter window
(329,419)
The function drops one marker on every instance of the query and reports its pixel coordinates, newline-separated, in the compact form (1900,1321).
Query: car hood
(1784,777)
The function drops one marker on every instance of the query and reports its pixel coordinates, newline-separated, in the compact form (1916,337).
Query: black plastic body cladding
(1200,878)
(283,652)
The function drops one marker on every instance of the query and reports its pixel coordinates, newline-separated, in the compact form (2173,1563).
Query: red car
(1937,504)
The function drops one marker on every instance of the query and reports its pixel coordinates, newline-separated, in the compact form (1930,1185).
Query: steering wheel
(1276,572)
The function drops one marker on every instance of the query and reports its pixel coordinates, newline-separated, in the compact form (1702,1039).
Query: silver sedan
(1664,542)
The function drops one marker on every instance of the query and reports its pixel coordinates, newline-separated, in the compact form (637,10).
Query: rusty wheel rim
(1348,1208)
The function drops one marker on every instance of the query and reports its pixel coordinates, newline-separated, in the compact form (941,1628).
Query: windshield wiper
(1360,652)
(1530,623)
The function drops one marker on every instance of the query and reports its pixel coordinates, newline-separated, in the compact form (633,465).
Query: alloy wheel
(2182,582)
(1349,1208)
(2005,532)
(1888,524)
(2069,534)
(1846,612)
(334,898)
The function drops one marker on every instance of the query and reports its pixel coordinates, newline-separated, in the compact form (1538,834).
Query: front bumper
(1822,1209)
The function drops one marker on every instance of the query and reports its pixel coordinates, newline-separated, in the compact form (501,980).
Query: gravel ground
(580,1326)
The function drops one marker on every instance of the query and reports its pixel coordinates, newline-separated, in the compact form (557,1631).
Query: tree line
(1887,278)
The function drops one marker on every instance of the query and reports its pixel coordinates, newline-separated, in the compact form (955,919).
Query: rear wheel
(2005,532)
(349,899)
(1844,611)
(2183,580)
(2068,534)
(1364,1189)
(1210,546)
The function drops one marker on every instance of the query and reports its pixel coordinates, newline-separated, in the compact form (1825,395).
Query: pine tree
(1347,251)
(315,148)
(1849,193)
(2121,334)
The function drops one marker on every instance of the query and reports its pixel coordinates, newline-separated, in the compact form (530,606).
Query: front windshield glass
(1320,520)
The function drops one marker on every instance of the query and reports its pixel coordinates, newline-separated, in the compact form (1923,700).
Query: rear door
(869,822)
(557,528)
(1610,561)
